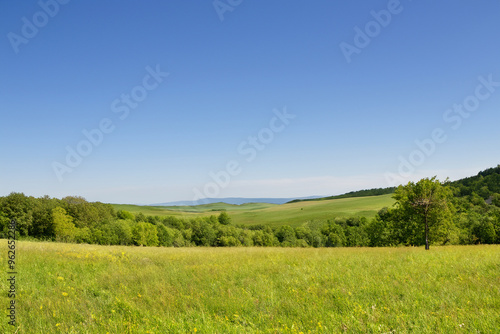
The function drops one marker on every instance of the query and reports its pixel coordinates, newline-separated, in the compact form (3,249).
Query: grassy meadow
(70,288)
(293,214)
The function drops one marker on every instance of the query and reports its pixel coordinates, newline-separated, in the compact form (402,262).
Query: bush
(286,236)
(145,234)
(229,241)
(125,215)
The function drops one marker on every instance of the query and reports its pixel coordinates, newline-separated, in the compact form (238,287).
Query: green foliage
(424,206)
(4,224)
(304,234)
(64,228)
(293,214)
(43,226)
(87,214)
(140,217)
(145,234)
(286,236)
(484,184)
(495,200)
(166,235)
(224,218)
(359,193)
(116,232)
(229,241)
(179,239)
(17,206)
(125,215)
(380,229)
(246,238)
(335,235)
(84,235)
(484,231)
(456,213)
(203,233)
(265,238)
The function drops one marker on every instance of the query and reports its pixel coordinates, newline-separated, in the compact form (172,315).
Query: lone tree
(428,204)
(224,218)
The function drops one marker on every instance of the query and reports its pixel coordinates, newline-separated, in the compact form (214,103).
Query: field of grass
(156,211)
(220,207)
(294,214)
(67,288)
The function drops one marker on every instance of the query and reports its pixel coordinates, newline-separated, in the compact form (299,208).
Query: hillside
(293,214)
(474,218)
(359,193)
(234,200)
(485,183)
(363,203)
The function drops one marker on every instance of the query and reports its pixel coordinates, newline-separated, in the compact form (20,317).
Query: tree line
(426,212)
(359,193)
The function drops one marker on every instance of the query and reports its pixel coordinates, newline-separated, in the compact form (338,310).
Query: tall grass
(65,288)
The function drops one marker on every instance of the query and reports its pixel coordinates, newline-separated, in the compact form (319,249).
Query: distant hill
(359,193)
(231,200)
(485,183)
(293,214)
(241,200)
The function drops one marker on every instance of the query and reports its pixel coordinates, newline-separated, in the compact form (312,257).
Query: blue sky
(353,116)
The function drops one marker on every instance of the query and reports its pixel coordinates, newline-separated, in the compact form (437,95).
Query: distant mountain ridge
(484,184)
(232,200)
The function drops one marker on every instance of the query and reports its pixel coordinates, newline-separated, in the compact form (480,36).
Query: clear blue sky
(354,120)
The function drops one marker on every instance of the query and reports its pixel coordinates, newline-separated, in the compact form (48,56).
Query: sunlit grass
(65,288)
(293,214)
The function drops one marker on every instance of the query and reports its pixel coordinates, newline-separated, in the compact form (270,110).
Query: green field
(69,288)
(294,214)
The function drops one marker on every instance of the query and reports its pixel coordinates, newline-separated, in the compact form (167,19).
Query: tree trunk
(426,233)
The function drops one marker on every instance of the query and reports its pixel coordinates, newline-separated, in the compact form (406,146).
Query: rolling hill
(234,200)
(294,214)
(363,203)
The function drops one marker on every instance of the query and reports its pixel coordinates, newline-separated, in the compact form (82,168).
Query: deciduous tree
(64,228)
(428,204)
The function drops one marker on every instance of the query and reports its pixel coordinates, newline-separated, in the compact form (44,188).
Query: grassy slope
(65,288)
(155,211)
(221,206)
(293,214)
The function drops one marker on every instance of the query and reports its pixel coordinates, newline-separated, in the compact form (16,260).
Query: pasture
(293,214)
(70,288)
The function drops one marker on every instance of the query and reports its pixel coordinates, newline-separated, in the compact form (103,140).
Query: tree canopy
(425,205)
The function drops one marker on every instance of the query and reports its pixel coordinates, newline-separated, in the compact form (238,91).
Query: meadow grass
(220,207)
(293,214)
(296,214)
(157,211)
(67,288)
